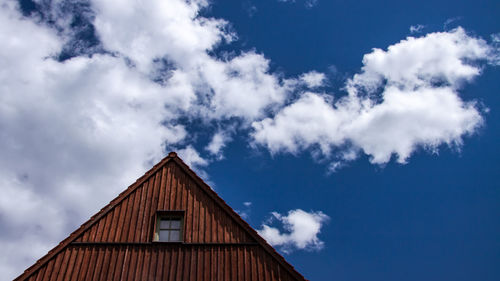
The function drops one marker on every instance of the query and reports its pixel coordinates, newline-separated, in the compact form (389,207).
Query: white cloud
(245,213)
(416,28)
(218,142)
(240,86)
(155,29)
(416,82)
(73,135)
(313,79)
(301,230)
(191,157)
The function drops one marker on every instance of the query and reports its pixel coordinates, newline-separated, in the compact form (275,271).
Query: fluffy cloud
(219,140)
(301,230)
(313,79)
(73,134)
(191,157)
(404,98)
(172,44)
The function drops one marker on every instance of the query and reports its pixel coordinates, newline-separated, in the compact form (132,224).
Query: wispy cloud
(416,28)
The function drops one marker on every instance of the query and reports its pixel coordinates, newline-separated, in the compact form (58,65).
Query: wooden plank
(139,265)
(85,263)
(127,219)
(267,267)
(200,264)
(141,221)
(109,221)
(120,221)
(187,263)
(241,263)
(90,266)
(64,265)
(193,264)
(180,263)
(213,263)
(129,268)
(202,221)
(57,266)
(80,254)
(100,230)
(115,254)
(234,263)
(246,259)
(260,270)
(147,260)
(220,264)
(173,193)
(152,263)
(189,215)
(206,263)
(122,254)
(148,214)
(156,194)
(166,264)
(173,264)
(40,273)
(161,194)
(227,264)
(184,192)
(213,223)
(133,230)
(71,264)
(106,266)
(98,267)
(176,189)
(93,232)
(160,263)
(196,217)
(168,190)
(48,272)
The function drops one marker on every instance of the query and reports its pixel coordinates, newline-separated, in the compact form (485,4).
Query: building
(168,225)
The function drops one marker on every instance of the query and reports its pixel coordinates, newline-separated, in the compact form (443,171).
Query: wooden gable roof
(116,243)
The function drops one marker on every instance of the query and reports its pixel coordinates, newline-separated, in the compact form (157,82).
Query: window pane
(174,235)
(164,224)
(163,235)
(175,224)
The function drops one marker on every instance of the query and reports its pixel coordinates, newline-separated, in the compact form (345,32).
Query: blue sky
(358,137)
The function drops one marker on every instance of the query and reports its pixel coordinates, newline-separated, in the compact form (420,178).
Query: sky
(359,138)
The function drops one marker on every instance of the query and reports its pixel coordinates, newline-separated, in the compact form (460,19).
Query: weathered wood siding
(167,262)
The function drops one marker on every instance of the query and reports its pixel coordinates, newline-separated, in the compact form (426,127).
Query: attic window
(169,225)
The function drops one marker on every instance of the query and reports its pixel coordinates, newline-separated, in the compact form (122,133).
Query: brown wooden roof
(116,243)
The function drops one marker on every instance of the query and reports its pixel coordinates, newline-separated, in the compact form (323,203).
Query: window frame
(168,214)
